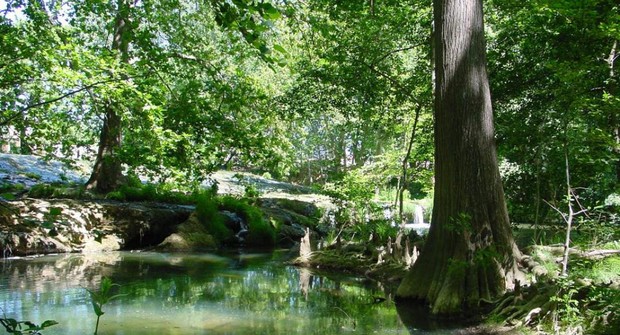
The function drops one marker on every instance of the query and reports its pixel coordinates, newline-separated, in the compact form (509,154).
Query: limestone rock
(37,226)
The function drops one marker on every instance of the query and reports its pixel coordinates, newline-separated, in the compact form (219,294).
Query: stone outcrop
(42,226)
(36,226)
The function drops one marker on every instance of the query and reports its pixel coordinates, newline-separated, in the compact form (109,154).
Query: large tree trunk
(470,253)
(107,172)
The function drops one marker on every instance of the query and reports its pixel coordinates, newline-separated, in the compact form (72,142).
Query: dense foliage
(336,94)
(315,92)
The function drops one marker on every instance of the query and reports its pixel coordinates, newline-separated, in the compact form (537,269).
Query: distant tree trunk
(612,88)
(470,253)
(402,186)
(107,172)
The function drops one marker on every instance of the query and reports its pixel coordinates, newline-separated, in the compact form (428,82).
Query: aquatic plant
(102,297)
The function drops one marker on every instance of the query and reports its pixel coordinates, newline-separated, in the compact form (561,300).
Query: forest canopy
(336,94)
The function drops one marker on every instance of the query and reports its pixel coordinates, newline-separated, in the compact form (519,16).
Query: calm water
(230,293)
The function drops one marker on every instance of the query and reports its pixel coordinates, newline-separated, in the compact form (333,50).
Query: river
(226,293)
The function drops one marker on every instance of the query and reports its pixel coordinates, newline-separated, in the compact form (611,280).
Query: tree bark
(107,171)
(470,253)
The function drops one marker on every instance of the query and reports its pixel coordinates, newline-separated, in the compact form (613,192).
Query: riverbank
(45,209)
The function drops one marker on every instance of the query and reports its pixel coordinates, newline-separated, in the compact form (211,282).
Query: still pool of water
(230,293)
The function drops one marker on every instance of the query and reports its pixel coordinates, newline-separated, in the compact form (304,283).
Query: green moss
(33,175)
(261,232)
(208,215)
(150,192)
(299,207)
(284,216)
(457,268)
(197,236)
(116,195)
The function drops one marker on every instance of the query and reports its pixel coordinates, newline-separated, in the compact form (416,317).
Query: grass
(151,192)
(600,272)
(57,191)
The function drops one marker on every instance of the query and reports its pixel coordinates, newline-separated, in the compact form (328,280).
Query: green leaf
(116,296)
(55,211)
(279,48)
(47,225)
(97,308)
(31,326)
(10,323)
(48,323)
(271,12)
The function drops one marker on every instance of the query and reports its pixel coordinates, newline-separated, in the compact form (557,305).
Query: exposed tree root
(526,306)
(564,307)
(543,303)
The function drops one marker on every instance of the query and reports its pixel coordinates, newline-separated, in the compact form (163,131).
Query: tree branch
(391,52)
(46,102)
(395,82)
(557,210)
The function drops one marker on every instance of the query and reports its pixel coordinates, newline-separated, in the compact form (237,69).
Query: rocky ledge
(36,226)
(76,224)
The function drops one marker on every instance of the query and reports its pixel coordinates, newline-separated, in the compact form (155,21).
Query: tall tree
(470,253)
(107,171)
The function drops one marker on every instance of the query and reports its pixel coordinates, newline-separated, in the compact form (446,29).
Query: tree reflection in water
(236,293)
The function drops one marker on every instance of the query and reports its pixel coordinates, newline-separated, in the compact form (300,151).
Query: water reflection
(194,294)
(418,319)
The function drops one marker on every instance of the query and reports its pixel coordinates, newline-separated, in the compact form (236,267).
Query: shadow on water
(418,320)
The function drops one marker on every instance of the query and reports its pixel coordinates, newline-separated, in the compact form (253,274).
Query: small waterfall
(243,231)
(418,214)
(418,221)
(235,223)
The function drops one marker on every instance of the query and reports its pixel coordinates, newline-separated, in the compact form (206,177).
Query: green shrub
(133,180)
(151,192)
(116,195)
(251,192)
(176,198)
(7,189)
(131,193)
